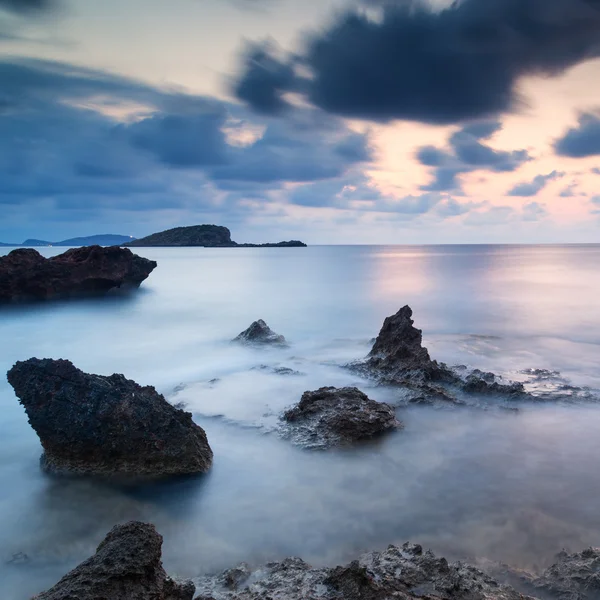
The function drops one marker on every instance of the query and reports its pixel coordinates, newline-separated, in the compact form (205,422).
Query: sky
(329,121)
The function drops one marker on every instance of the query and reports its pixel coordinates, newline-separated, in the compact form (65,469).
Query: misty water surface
(495,483)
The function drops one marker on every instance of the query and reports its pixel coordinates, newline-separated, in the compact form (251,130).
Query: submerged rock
(400,573)
(26,275)
(127,566)
(573,576)
(261,334)
(335,416)
(93,424)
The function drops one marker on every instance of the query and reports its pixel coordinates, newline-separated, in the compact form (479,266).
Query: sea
(497,480)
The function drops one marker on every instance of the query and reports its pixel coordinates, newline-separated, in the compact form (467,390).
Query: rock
(399,573)
(207,236)
(26,275)
(127,566)
(92,424)
(260,333)
(331,417)
(573,576)
(398,355)
(478,382)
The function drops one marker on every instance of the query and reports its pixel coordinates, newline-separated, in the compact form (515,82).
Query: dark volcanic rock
(331,416)
(478,382)
(127,566)
(26,275)
(398,355)
(207,236)
(399,573)
(573,576)
(92,424)
(260,333)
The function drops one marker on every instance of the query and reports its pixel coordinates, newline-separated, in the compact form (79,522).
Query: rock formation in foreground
(338,416)
(261,334)
(26,275)
(92,424)
(397,573)
(207,236)
(127,566)
(399,358)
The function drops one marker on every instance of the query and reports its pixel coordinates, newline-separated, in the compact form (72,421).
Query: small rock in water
(92,424)
(478,382)
(261,334)
(335,416)
(127,566)
(20,558)
(402,573)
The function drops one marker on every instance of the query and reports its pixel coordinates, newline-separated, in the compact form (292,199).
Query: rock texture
(397,573)
(572,577)
(26,275)
(261,334)
(208,236)
(331,417)
(127,566)
(399,358)
(92,424)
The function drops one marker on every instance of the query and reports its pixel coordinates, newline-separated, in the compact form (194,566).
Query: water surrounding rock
(399,573)
(127,566)
(572,577)
(26,275)
(260,333)
(93,424)
(330,417)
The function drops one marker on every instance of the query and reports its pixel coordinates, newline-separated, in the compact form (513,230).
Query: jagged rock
(261,334)
(573,576)
(127,566)
(26,275)
(400,573)
(92,424)
(478,382)
(398,355)
(330,416)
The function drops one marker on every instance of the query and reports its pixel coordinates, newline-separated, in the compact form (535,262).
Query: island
(206,236)
(105,239)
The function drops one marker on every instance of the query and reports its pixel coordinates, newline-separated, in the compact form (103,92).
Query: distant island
(107,239)
(207,236)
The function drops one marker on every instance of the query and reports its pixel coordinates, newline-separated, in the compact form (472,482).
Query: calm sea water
(510,486)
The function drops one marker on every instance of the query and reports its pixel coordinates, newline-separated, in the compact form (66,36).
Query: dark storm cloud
(27,6)
(581,141)
(467,153)
(58,144)
(413,63)
(532,188)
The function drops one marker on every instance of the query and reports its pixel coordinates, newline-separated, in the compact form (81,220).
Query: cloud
(466,153)
(581,141)
(532,188)
(27,6)
(534,211)
(412,62)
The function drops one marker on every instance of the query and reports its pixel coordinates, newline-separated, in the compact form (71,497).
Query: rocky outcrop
(92,424)
(259,333)
(331,417)
(400,573)
(127,566)
(207,236)
(398,355)
(572,577)
(26,275)
(399,358)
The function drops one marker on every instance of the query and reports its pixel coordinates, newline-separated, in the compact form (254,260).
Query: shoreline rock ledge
(106,426)
(127,566)
(332,417)
(25,275)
